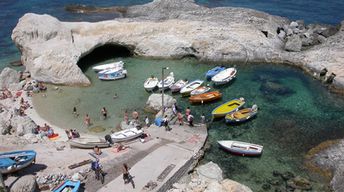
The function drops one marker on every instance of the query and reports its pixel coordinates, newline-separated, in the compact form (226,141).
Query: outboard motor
(108,139)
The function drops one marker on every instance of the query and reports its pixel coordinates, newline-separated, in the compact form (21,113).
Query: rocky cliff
(51,49)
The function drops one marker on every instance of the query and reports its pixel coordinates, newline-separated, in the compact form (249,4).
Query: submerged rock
(299,183)
(274,88)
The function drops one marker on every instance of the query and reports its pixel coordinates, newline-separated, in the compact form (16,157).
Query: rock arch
(102,53)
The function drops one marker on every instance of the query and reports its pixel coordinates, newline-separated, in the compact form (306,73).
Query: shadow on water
(104,53)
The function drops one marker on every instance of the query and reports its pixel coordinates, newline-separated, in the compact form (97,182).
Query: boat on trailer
(114,65)
(241,148)
(16,160)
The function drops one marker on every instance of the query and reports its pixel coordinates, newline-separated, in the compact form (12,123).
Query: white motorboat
(224,76)
(185,91)
(200,90)
(178,85)
(168,81)
(241,148)
(126,134)
(112,74)
(118,64)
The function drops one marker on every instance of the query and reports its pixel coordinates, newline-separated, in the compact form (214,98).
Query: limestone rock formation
(208,178)
(154,101)
(51,49)
(25,183)
(9,78)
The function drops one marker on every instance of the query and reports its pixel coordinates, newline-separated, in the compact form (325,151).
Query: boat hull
(150,84)
(126,135)
(16,160)
(185,91)
(227,107)
(205,97)
(224,76)
(178,86)
(241,148)
(212,72)
(241,115)
(112,76)
(88,143)
(108,66)
(68,184)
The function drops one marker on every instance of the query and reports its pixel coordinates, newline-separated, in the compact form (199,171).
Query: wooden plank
(88,161)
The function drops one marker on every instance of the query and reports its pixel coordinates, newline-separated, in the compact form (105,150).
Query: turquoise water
(295,113)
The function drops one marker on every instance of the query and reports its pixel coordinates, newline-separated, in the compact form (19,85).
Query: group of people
(87,118)
(34,87)
(72,133)
(45,130)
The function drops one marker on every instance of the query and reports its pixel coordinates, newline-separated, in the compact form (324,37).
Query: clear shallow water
(295,113)
(312,11)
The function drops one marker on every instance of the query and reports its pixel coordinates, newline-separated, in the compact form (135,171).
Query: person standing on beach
(104,112)
(126,175)
(147,121)
(187,112)
(87,120)
(180,118)
(190,120)
(203,118)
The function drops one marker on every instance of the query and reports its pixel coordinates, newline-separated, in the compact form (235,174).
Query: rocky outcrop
(25,183)
(9,79)
(208,178)
(332,159)
(154,102)
(174,29)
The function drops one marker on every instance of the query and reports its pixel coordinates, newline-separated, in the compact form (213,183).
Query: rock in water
(154,101)
(230,185)
(210,171)
(25,183)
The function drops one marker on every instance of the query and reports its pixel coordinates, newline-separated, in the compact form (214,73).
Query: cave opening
(103,53)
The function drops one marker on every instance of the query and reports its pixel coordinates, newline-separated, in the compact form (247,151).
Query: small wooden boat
(241,148)
(112,74)
(242,115)
(205,97)
(178,85)
(224,76)
(114,65)
(88,143)
(67,186)
(200,90)
(228,107)
(212,72)
(15,160)
(151,83)
(168,82)
(126,135)
(185,91)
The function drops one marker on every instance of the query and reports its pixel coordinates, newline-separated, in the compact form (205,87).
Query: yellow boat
(228,107)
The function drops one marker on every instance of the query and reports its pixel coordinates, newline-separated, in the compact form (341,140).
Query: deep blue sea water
(301,118)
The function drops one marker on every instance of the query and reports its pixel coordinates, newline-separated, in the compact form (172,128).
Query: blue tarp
(158,121)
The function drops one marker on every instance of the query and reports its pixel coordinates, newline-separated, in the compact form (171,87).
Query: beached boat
(200,90)
(242,115)
(178,85)
(168,82)
(151,83)
(212,72)
(112,74)
(67,186)
(205,97)
(114,65)
(126,135)
(228,107)
(185,91)
(15,160)
(241,148)
(224,76)
(88,143)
